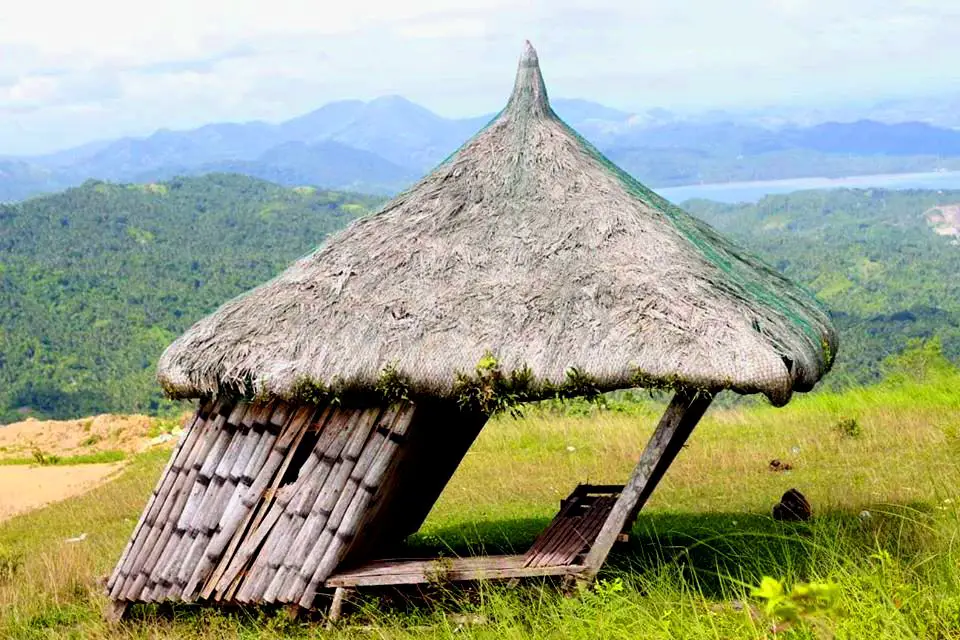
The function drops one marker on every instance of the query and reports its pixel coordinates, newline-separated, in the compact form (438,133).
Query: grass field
(101,457)
(882,548)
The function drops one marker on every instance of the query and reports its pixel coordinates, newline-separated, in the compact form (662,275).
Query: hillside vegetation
(879,465)
(871,255)
(96,281)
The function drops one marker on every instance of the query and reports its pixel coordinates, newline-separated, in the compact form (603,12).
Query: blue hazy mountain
(383,144)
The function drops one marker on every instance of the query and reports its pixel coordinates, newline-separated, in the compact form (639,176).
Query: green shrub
(849,428)
(91,440)
(44,459)
(804,603)
(10,563)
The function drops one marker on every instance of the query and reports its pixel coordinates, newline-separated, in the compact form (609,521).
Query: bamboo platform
(558,551)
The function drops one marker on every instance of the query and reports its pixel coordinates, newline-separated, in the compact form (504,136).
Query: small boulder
(793,507)
(778,465)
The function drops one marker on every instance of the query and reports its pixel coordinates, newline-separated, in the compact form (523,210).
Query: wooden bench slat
(453,569)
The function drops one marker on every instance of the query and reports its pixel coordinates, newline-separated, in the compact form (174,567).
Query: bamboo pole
(298,428)
(352,507)
(336,608)
(331,462)
(227,540)
(269,476)
(328,446)
(306,475)
(247,591)
(140,588)
(438,439)
(159,497)
(163,485)
(213,506)
(270,582)
(309,484)
(376,531)
(221,524)
(262,573)
(305,519)
(327,500)
(187,526)
(159,570)
(261,469)
(281,496)
(146,559)
(679,420)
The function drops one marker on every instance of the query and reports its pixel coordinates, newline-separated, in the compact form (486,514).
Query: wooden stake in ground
(336,608)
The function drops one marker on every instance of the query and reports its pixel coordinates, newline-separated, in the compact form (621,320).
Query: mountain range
(385,144)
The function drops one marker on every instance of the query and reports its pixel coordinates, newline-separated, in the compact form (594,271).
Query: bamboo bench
(558,551)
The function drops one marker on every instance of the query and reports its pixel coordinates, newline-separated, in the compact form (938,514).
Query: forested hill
(97,280)
(873,256)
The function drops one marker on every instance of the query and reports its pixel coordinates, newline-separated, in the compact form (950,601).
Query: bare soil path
(76,437)
(24,488)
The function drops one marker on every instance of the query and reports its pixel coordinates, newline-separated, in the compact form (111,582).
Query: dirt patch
(945,219)
(66,438)
(24,488)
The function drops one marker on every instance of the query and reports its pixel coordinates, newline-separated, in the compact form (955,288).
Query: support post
(683,414)
(291,612)
(115,611)
(336,607)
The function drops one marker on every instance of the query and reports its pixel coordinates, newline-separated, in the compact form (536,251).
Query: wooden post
(683,414)
(115,611)
(336,607)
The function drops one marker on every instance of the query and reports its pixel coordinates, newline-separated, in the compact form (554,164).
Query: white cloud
(74,71)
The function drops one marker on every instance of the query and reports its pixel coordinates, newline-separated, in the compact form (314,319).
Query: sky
(73,72)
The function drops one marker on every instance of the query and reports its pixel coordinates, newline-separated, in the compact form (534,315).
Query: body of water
(753,191)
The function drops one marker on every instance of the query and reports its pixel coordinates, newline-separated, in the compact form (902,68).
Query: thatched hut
(336,401)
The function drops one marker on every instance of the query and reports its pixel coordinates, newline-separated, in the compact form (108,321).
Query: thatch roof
(530,246)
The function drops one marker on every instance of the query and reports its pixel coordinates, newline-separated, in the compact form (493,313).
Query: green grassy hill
(97,280)
(878,464)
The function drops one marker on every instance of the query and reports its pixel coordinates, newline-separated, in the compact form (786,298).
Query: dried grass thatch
(529,245)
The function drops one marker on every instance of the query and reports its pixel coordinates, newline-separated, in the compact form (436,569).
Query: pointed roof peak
(529,57)
(529,92)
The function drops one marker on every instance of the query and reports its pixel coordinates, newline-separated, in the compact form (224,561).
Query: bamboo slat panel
(263,502)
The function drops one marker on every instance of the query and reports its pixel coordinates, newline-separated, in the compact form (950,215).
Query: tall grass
(885,531)
(45,460)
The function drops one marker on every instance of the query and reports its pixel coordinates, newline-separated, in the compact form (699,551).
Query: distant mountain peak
(394,99)
(578,110)
(389,141)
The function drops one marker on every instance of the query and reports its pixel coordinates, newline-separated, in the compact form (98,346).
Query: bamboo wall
(261,503)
